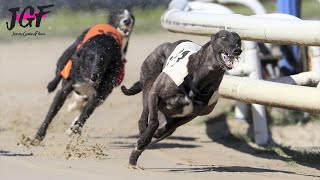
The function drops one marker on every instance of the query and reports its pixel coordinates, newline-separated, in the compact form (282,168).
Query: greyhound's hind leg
(146,137)
(57,103)
(143,121)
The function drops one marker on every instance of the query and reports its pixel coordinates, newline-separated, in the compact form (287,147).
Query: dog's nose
(94,77)
(127,22)
(236,51)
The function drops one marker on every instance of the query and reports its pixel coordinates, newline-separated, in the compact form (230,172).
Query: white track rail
(263,29)
(272,28)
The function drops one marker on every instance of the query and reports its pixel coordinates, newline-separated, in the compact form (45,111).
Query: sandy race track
(199,150)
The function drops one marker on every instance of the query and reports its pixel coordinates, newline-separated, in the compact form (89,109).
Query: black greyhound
(122,20)
(94,72)
(180,82)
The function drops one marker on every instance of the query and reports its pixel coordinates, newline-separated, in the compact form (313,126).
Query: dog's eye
(224,37)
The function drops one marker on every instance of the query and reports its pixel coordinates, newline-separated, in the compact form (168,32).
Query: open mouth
(229,60)
(125,30)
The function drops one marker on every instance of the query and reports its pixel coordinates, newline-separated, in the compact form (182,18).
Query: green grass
(67,23)
(311,9)
(70,24)
(148,20)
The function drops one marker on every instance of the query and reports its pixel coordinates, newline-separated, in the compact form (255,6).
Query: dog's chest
(176,64)
(178,106)
(84,89)
(182,106)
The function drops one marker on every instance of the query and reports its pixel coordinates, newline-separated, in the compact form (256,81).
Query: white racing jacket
(176,64)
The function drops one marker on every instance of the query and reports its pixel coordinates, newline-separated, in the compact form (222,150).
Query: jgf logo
(30,17)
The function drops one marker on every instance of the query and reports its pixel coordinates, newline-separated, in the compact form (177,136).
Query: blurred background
(69,18)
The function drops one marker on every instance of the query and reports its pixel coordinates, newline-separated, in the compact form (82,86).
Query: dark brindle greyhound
(96,60)
(180,82)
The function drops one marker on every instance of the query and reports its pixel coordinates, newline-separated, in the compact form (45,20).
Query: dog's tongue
(229,62)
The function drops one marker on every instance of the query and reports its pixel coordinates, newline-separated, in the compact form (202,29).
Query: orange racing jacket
(94,31)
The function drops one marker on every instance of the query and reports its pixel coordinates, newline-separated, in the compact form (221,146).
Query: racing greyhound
(179,82)
(95,67)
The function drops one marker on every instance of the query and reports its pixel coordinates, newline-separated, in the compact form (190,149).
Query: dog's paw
(35,142)
(69,132)
(135,167)
(74,128)
(28,142)
(51,87)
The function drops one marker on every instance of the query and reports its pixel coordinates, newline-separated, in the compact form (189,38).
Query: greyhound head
(227,46)
(122,20)
(93,59)
(98,65)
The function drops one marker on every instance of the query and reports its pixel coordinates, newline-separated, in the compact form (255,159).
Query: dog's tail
(53,84)
(135,89)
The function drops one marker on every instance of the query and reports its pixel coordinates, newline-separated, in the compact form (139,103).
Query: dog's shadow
(225,169)
(162,145)
(218,131)
(12,154)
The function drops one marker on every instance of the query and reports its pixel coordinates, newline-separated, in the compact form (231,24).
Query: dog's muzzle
(229,60)
(236,51)
(127,22)
(125,30)
(126,26)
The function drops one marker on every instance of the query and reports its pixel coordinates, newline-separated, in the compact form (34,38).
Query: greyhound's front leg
(88,109)
(52,85)
(57,103)
(153,125)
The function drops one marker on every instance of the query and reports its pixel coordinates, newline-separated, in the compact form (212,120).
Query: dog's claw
(135,167)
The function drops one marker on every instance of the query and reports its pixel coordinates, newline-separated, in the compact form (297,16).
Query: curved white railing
(264,29)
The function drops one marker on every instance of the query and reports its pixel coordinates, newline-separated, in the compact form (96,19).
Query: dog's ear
(112,17)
